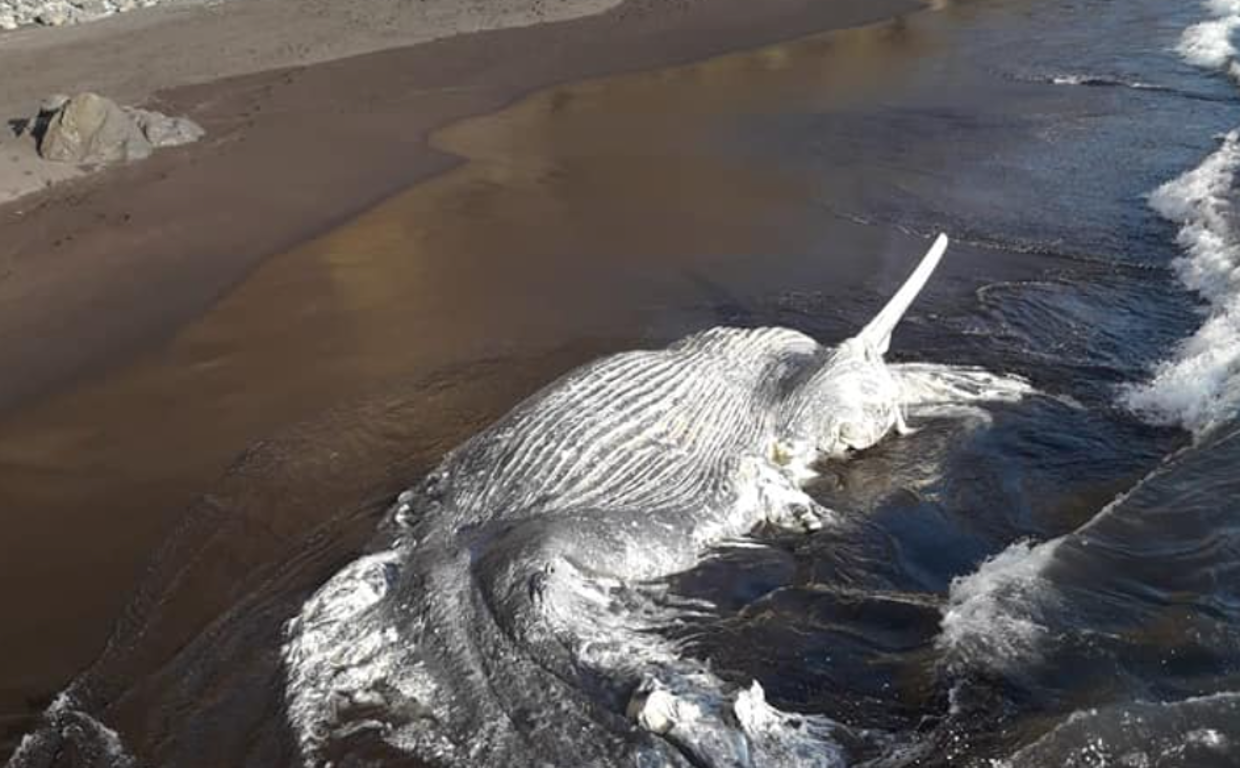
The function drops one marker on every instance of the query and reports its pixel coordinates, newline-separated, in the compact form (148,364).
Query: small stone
(654,711)
(8,21)
(56,13)
(658,710)
(164,131)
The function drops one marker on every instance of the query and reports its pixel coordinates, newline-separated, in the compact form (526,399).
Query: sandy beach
(228,373)
(307,128)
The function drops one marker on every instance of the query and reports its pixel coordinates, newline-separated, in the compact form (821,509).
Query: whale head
(853,400)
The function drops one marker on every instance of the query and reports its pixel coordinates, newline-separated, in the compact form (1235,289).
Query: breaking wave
(1209,44)
(1199,386)
(993,618)
(999,618)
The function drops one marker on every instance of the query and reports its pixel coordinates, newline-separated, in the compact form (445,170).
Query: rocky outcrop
(92,130)
(54,13)
(89,129)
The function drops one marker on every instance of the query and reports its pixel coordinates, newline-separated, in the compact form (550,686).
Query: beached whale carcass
(509,619)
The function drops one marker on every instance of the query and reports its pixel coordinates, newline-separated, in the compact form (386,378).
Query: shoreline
(99,268)
(112,264)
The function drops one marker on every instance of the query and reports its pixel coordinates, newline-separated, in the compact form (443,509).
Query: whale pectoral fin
(877,335)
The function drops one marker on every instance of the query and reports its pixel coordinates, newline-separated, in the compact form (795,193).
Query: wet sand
(125,257)
(586,219)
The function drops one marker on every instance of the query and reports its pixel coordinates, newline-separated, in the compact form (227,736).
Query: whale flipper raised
(877,334)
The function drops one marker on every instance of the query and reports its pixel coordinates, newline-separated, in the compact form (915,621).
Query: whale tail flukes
(877,334)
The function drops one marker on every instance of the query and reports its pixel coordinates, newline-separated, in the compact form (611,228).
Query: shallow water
(985,597)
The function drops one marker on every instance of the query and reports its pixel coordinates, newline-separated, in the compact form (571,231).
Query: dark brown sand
(119,415)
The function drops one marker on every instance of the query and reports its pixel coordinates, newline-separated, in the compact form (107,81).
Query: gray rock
(52,104)
(56,13)
(164,131)
(93,9)
(92,130)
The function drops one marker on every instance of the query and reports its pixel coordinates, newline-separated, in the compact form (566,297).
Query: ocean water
(979,607)
(1049,581)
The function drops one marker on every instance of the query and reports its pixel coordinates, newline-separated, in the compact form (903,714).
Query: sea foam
(1199,386)
(1209,44)
(68,729)
(993,617)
